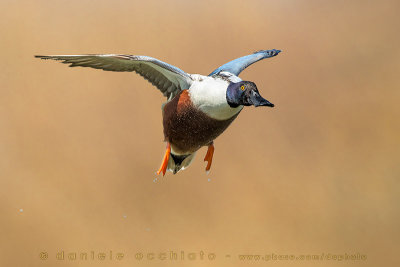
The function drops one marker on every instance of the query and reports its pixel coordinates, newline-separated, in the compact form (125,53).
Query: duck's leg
(209,155)
(164,164)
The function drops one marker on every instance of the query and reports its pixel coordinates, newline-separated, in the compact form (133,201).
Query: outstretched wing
(238,65)
(167,78)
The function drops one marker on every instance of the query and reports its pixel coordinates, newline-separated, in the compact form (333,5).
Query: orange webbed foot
(164,164)
(209,156)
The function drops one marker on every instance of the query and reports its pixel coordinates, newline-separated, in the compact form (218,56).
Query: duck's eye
(242,87)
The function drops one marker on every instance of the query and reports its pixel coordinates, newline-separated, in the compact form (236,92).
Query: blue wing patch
(238,65)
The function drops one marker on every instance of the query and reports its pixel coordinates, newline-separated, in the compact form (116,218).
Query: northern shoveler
(198,108)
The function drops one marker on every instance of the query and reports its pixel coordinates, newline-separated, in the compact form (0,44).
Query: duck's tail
(179,162)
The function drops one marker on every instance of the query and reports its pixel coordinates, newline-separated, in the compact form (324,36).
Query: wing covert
(236,66)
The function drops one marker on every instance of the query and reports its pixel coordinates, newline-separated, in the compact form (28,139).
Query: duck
(198,109)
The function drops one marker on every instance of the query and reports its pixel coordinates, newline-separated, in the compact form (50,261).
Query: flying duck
(198,108)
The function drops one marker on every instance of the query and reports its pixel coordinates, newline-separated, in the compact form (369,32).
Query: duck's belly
(187,128)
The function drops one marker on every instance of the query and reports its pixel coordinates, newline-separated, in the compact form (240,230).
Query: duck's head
(245,93)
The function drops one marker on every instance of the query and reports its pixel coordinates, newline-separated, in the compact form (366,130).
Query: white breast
(209,95)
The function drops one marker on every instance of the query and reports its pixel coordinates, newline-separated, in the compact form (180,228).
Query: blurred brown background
(319,173)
